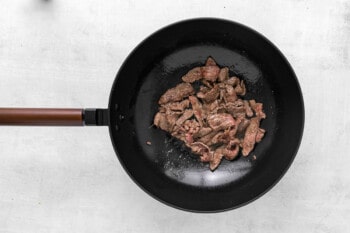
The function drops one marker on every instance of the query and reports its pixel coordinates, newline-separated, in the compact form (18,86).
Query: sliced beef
(202,150)
(216,139)
(223,74)
(210,62)
(232,149)
(243,124)
(240,89)
(233,81)
(171,119)
(260,135)
(248,109)
(202,132)
(210,95)
(210,107)
(177,93)
(192,75)
(250,136)
(207,138)
(220,121)
(176,106)
(217,157)
(161,121)
(215,122)
(236,109)
(197,109)
(230,94)
(187,114)
(210,73)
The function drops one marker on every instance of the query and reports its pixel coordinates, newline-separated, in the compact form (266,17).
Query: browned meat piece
(161,121)
(230,94)
(207,138)
(202,150)
(187,114)
(190,127)
(259,111)
(248,110)
(210,107)
(177,93)
(185,131)
(220,121)
(217,157)
(188,138)
(211,95)
(232,149)
(202,132)
(252,103)
(192,75)
(236,109)
(260,135)
(243,124)
(223,74)
(202,91)
(171,119)
(214,122)
(250,136)
(197,109)
(218,138)
(210,73)
(175,106)
(233,81)
(210,62)
(240,89)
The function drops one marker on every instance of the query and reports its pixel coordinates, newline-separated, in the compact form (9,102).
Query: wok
(166,169)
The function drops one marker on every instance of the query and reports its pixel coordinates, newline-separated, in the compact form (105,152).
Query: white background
(66,54)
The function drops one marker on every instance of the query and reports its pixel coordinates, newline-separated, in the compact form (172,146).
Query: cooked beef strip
(243,124)
(230,94)
(240,89)
(223,74)
(236,109)
(161,121)
(193,75)
(220,121)
(210,62)
(211,95)
(217,139)
(202,132)
(250,136)
(202,150)
(177,93)
(232,149)
(197,109)
(248,110)
(213,122)
(260,135)
(210,73)
(259,111)
(187,114)
(171,119)
(175,106)
(233,81)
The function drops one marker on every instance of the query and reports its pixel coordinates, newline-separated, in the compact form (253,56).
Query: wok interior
(166,169)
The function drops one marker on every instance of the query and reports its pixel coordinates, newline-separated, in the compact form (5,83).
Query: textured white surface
(66,54)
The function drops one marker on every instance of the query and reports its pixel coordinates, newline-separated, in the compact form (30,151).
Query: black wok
(166,169)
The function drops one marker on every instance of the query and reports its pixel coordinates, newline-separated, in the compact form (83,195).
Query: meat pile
(214,122)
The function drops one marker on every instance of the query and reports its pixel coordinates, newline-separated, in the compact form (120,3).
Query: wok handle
(53,116)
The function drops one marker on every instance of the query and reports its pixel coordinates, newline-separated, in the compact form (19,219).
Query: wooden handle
(41,116)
